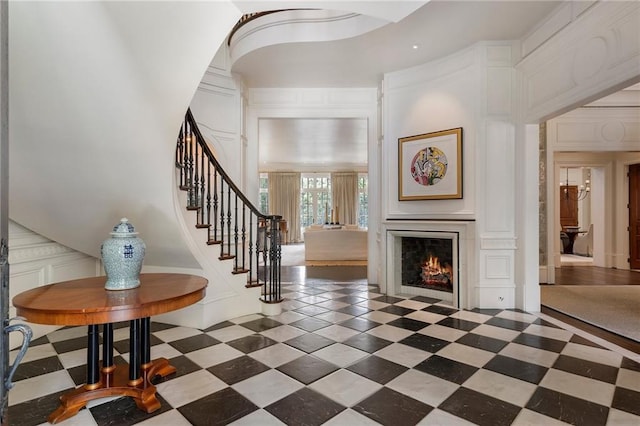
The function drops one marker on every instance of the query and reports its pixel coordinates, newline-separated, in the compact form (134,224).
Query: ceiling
(438,29)
(313,144)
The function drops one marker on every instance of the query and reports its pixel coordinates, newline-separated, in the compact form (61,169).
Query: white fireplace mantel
(467,275)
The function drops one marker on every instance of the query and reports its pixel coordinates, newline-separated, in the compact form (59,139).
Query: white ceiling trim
(390,10)
(297,26)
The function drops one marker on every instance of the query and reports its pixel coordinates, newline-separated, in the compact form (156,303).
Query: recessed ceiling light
(415,46)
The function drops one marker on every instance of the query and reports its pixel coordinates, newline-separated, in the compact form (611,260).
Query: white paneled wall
(472,89)
(216,107)
(35,261)
(493,90)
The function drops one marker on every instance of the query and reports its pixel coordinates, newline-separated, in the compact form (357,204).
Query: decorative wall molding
(434,95)
(498,267)
(26,246)
(38,252)
(563,16)
(299,25)
(36,261)
(217,107)
(497,177)
(596,54)
(433,71)
(596,129)
(627,98)
(499,90)
(497,243)
(217,80)
(221,60)
(312,98)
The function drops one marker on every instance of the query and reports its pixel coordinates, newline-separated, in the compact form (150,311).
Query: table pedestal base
(116,383)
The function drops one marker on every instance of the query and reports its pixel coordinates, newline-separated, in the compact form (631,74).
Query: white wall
(97,95)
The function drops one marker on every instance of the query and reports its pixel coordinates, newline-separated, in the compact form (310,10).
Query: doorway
(578,219)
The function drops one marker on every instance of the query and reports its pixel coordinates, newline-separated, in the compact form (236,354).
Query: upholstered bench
(346,243)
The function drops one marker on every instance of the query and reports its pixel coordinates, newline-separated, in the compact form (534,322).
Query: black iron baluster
(185,160)
(263,251)
(202,188)
(196,179)
(235,233)
(221,218)
(244,235)
(250,251)
(215,204)
(190,179)
(179,155)
(208,222)
(229,219)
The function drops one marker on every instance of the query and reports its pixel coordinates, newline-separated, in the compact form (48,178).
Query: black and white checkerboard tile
(343,354)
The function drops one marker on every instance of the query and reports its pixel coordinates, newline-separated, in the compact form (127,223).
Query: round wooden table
(87,302)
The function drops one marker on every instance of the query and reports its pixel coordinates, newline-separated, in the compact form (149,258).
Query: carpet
(612,308)
(335,263)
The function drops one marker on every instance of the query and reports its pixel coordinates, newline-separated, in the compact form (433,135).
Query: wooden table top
(86,301)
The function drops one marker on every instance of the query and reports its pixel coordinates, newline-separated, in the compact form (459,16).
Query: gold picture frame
(430,166)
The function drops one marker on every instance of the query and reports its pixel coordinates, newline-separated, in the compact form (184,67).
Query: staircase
(235,237)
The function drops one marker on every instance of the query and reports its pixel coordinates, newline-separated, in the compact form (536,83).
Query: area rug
(612,308)
(335,263)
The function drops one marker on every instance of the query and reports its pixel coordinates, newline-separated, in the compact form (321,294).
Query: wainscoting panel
(36,261)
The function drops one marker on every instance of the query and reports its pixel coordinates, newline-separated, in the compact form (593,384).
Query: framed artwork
(430,166)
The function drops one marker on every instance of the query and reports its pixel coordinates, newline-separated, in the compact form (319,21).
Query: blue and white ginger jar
(122,256)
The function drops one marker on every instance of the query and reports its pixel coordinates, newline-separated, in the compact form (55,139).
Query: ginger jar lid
(123,229)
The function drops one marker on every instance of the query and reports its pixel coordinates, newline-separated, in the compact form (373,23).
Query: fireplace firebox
(428,263)
(425,263)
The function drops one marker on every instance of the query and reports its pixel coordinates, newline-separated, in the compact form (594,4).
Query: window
(264,193)
(363,200)
(315,196)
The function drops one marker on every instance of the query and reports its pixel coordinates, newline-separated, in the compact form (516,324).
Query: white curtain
(284,200)
(344,196)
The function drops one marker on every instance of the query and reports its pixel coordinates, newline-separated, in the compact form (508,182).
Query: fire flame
(434,273)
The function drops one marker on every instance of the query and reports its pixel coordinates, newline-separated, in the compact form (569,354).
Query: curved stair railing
(247,237)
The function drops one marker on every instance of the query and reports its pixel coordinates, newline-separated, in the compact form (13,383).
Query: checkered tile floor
(341,353)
